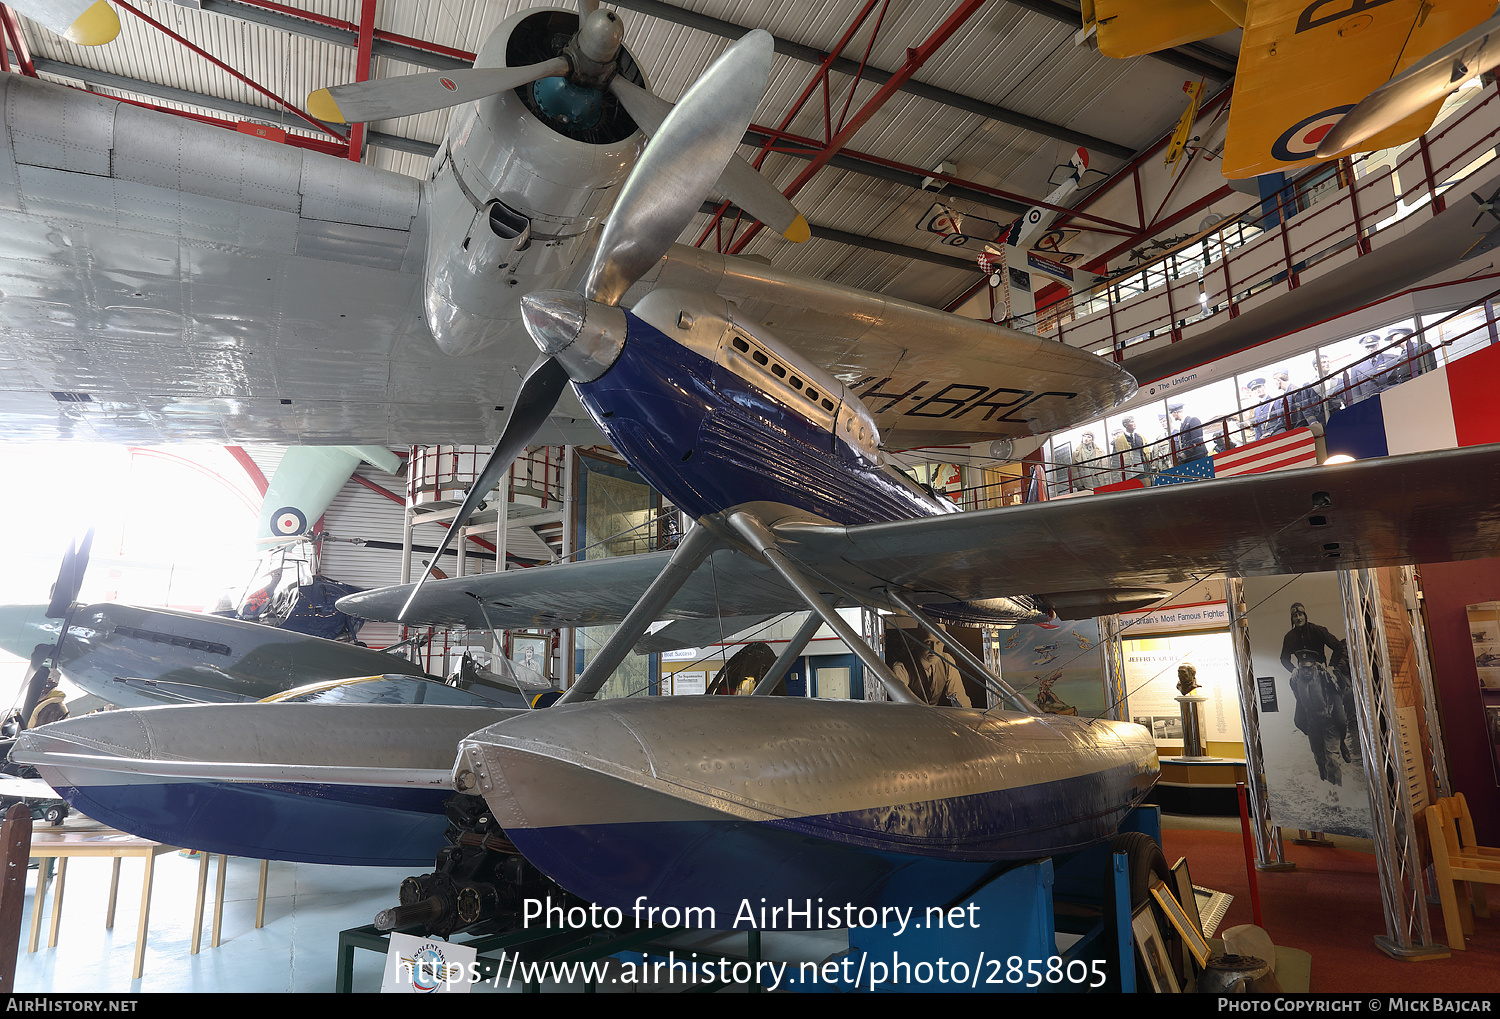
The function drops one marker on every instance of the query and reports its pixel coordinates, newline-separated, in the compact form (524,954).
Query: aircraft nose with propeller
(743,434)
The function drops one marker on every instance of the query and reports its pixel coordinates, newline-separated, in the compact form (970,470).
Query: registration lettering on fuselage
(952,401)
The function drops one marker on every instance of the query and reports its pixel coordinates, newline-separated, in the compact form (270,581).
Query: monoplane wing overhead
(1432,507)
(929,377)
(1305,63)
(167,280)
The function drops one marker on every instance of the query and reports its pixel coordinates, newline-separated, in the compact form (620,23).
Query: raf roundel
(1300,141)
(288,521)
(448,84)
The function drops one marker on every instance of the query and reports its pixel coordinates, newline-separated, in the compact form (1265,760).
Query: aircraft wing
(929,377)
(587,593)
(1089,555)
(1130,28)
(166,280)
(1305,63)
(1432,507)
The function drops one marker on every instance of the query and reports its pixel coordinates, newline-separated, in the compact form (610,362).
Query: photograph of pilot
(1319,666)
(926,667)
(1305,715)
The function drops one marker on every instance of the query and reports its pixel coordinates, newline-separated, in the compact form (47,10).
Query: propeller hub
(600,35)
(581,335)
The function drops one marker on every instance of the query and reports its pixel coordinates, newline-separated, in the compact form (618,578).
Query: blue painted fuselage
(710,440)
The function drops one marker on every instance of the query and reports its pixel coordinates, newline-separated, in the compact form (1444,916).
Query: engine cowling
(520,188)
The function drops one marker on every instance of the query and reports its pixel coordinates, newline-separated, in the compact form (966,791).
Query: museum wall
(1449,587)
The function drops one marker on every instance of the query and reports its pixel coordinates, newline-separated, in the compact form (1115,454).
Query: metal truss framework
(1269,852)
(1402,890)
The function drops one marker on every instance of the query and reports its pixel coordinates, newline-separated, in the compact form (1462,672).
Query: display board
(1151,684)
(1060,668)
(1305,705)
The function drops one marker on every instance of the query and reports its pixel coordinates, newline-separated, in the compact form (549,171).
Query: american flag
(1193,470)
(1297,448)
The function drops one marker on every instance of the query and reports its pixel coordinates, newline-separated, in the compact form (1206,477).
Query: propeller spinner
(580,335)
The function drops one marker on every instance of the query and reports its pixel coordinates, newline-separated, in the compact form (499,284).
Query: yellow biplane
(1303,64)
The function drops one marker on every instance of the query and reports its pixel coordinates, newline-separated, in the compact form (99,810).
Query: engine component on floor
(479,883)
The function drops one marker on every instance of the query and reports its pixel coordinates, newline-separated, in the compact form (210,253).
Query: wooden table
(62,845)
(260,899)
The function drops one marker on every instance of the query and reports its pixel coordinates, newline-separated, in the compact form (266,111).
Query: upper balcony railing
(1314,403)
(1312,226)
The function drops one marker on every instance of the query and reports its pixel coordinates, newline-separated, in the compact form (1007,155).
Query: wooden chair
(1458,808)
(1453,861)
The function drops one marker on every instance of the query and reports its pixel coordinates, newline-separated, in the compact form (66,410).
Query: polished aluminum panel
(772,758)
(341,744)
(874,342)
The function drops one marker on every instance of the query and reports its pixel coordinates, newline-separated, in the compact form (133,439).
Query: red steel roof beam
(820,75)
(915,58)
(362,73)
(349,26)
(804,145)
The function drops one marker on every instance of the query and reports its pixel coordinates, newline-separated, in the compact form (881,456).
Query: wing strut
(967,662)
(695,547)
(763,541)
(788,655)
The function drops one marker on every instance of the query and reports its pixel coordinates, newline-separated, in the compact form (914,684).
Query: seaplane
(694,802)
(699,802)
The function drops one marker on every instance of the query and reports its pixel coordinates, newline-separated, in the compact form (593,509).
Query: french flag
(1451,406)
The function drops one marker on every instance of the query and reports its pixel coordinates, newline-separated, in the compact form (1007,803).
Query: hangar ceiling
(996,87)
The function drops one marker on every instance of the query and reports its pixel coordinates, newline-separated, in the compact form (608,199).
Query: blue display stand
(1003,937)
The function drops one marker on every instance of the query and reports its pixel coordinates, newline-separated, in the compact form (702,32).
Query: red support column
(17,40)
(362,73)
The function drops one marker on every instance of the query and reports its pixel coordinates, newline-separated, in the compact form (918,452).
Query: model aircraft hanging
(1306,65)
(168,280)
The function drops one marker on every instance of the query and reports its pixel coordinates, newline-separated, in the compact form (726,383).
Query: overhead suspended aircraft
(1316,79)
(168,280)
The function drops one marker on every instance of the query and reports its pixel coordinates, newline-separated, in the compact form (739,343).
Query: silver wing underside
(1086,554)
(164,280)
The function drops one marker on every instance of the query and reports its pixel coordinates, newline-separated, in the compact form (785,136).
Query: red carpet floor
(1330,907)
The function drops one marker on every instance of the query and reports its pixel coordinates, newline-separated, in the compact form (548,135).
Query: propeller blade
(404,95)
(544,383)
(84,22)
(1424,83)
(70,577)
(679,167)
(740,182)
